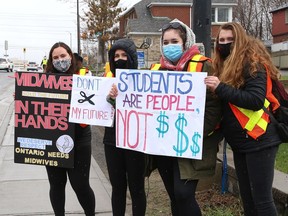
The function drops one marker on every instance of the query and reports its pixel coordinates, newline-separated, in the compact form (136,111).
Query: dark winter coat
(250,96)
(197,169)
(129,47)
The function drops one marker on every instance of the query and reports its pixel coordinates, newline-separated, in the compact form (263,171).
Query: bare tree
(255,16)
(101,16)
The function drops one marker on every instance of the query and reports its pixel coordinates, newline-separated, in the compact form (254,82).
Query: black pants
(255,172)
(181,191)
(79,179)
(126,166)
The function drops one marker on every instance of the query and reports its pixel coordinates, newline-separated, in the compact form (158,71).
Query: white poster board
(88,101)
(161,112)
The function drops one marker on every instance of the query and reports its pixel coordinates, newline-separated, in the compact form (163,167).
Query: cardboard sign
(161,112)
(88,102)
(43,135)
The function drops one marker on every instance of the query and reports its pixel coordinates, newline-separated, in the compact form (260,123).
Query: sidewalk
(24,189)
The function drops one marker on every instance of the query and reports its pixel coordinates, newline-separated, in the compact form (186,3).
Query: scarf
(182,61)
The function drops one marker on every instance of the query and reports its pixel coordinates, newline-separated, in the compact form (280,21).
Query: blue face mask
(173,52)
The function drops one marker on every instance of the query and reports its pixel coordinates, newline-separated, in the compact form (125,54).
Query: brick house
(143,21)
(279,47)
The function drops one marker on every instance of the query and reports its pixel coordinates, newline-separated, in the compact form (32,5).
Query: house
(143,21)
(279,47)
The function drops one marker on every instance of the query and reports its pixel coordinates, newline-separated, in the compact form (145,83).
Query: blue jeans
(255,172)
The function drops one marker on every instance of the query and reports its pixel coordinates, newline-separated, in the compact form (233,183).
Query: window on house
(221,14)
(286,16)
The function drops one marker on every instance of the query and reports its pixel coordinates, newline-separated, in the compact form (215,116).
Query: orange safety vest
(108,74)
(83,71)
(195,64)
(255,122)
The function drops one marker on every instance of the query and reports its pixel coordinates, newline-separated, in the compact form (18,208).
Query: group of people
(237,90)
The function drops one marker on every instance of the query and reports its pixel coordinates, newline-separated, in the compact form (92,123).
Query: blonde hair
(246,51)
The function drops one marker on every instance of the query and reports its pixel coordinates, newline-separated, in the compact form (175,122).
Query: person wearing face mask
(243,72)
(180,175)
(124,166)
(61,61)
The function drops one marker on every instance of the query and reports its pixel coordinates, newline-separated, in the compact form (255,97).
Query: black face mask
(224,50)
(121,64)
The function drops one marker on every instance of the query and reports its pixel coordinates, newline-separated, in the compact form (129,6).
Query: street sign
(141,59)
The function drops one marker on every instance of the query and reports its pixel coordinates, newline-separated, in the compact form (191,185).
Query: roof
(140,26)
(280,8)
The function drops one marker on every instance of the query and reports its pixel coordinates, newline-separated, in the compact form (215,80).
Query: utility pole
(202,23)
(78,29)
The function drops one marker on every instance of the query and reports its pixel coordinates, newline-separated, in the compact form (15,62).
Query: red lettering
(46,122)
(52,109)
(169,102)
(45,80)
(78,113)
(189,103)
(20,107)
(134,134)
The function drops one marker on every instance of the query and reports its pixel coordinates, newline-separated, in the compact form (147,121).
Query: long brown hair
(246,51)
(50,67)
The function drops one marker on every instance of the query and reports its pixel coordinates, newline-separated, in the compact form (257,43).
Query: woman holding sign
(180,175)
(243,68)
(61,61)
(124,166)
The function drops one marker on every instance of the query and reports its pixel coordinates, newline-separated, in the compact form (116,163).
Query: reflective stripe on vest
(255,122)
(108,74)
(155,67)
(195,65)
(82,71)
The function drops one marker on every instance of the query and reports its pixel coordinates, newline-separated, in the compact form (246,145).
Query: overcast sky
(37,24)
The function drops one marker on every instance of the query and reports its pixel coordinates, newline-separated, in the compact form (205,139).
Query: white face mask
(62,65)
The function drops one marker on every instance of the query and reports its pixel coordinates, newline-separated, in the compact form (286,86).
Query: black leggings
(126,165)
(255,172)
(181,191)
(79,179)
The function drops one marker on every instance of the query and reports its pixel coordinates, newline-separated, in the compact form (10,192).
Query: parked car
(32,66)
(6,64)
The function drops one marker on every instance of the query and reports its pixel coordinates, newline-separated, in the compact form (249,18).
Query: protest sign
(43,135)
(161,112)
(88,102)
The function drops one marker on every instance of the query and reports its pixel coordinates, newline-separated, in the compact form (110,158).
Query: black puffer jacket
(129,47)
(250,96)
